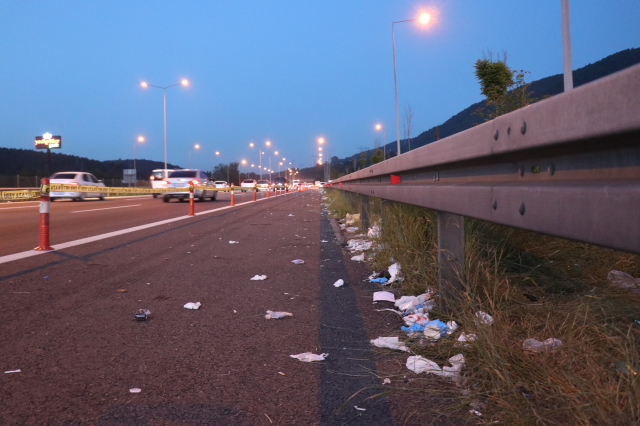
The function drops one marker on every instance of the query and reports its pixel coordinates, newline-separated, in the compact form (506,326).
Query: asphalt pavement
(68,325)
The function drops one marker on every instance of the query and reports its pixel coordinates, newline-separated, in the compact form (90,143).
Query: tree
(504,88)
(363,159)
(408,118)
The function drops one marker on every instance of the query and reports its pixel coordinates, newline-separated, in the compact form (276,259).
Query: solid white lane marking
(24,207)
(31,253)
(106,208)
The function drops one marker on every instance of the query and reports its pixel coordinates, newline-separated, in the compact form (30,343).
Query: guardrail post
(450,257)
(191,213)
(44,216)
(364,212)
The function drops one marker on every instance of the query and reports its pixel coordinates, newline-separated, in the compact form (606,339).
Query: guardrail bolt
(523,129)
(496,134)
(551,169)
(521,210)
(495,204)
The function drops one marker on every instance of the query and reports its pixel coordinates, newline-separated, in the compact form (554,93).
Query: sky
(285,71)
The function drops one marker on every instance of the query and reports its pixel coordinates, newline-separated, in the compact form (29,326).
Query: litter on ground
(233,242)
(297,261)
(419,364)
(352,229)
(142,314)
(535,346)
(324,241)
(484,318)
(192,305)
(135,390)
(385,296)
(390,342)
(359,409)
(277,315)
(13,371)
(394,271)
(258,278)
(386,381)
(382,280)
(352,218)
(291,214)
(338,283)
(309,357)
(358,258)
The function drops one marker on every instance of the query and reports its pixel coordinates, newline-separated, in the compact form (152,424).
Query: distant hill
(27,162)
(465,119)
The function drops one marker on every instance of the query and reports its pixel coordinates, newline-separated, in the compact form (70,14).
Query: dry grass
(585,382)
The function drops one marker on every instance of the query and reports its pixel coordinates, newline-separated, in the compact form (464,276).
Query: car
(158,179)
(247,183)
(220,184)
(281,183)
(263,184)
(183,178)
(75,178)
(296,183)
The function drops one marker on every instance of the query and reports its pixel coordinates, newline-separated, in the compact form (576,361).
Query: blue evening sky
(286,71)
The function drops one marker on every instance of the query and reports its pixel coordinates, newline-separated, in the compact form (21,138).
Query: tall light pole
(424,18)
(566,47)
(196,146)
(140,139)
(384,139)
(164,90)
(327,167)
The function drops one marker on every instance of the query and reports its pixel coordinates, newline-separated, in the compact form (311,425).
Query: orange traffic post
(191,199)
(232,203)
(267,192)
(254,195)
(44,216)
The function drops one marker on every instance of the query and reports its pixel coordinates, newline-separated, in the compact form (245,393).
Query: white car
(247,183)
(158,179)
(183,178)
(263,184)
(220,184)
(76,179)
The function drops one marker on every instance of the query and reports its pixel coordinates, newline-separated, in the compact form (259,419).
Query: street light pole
(424,18)
(566,47)
(140,139)
(164,90)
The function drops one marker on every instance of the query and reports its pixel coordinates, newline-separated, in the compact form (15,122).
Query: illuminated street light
(424,18)
(196,146)
(384,140)
(164,90)
(217,152)
(140,139)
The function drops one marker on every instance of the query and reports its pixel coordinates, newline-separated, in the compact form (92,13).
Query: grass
(535,286)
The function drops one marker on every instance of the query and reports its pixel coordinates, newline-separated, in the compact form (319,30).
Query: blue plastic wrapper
(417,328)
(413,328)
(379,280)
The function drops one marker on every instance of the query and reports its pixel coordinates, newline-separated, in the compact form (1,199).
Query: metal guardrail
(567,166)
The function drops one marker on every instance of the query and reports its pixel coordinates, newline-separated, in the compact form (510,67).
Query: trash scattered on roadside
(476,412)
(233,242)
(258,278)
(623,280)
(324,241)
(359,409)
(291,214)
(378,280)
(46,278)
(385,296)
(121,290)
(530,297)
(391,310)
(374,232)
(484,318)
(135,390)
(356,244)
(358,258)
(352,218)
(277,315)
(535,346)
(390,342)
(281,373)
(338,283)
(298,261)
(309,357)
(467,338)
(621,367)
(192,305)
(352,229)
(386,381)
(142,314)
(235,312)
(453,372)
(13,371)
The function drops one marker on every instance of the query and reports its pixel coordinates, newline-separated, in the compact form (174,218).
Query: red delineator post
(191,213)
(254,195)
(44,215)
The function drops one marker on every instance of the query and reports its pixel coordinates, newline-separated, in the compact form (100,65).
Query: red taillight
(195,182)
(151,178)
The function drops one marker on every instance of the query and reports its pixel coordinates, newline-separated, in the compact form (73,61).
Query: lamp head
(424,18)
(197,146)
(140,139)
(144,84)
(184,82)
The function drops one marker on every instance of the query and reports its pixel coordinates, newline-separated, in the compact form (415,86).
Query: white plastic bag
(309,357)
(484,318)
(385,296)
(338,283)
(358,258)
(390,342)
(419,364)
(277,315)
(192,305)
(258,278)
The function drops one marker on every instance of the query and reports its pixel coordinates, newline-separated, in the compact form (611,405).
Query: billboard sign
(47,141)
(129,176)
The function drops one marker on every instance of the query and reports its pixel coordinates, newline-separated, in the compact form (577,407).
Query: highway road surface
(67,320)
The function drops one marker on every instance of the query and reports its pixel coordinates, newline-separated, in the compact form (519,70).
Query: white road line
(31,253)
(107,208)
(24,207)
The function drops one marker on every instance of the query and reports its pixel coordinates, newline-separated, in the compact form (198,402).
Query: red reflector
(395,179)
(340,183)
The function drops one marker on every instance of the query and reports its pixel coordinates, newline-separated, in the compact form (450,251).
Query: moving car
(281,183)
(220,184)
(76,179)
(247,183)
(158,179)
(182,178)
(263,184)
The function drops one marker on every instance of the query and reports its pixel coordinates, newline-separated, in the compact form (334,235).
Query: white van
(158,179)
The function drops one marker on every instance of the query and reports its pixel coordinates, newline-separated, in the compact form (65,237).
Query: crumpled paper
(309,357)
